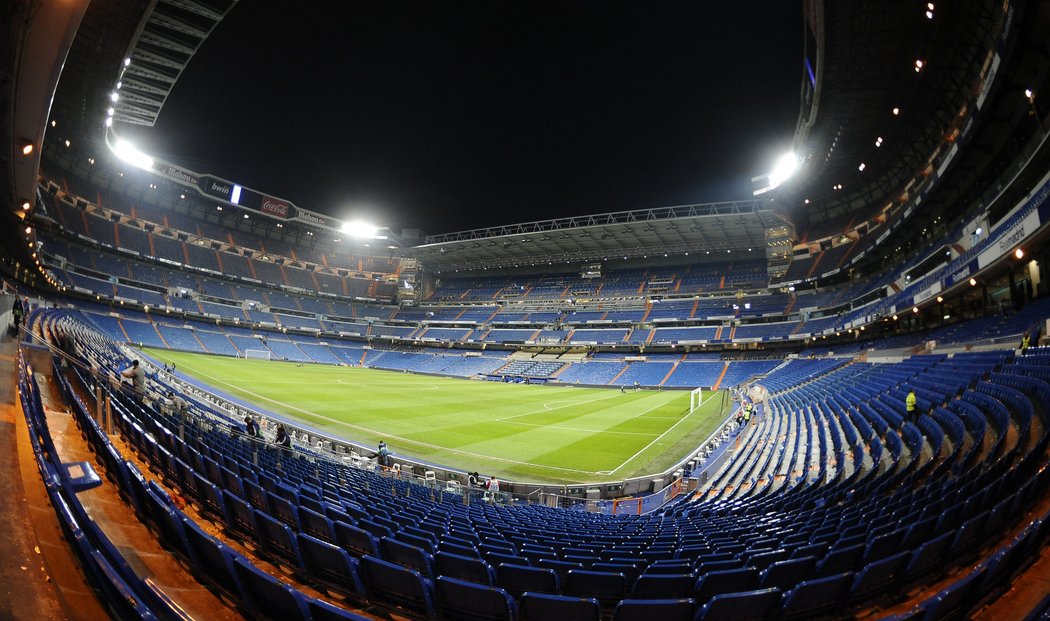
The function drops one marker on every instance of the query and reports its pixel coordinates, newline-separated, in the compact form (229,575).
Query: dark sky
(455,115)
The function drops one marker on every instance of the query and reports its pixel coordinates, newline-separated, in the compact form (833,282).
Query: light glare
(130,154)
(785,167)
(358,228)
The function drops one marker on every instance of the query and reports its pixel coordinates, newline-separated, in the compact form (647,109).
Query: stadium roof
(167,39)
(889,81)
(708,229)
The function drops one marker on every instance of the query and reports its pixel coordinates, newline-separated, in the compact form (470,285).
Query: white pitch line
(590,431)
(546,407)
(389,435)
(387,386)
(669,429)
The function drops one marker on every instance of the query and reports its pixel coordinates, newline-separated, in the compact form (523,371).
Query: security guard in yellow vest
(909,404)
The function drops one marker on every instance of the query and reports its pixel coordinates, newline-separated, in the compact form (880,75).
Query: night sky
(454,115)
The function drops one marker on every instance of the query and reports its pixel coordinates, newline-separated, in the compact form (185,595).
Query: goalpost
(696,397)
(257,354)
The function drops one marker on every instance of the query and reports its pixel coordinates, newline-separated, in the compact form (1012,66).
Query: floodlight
(26,146)
(1019,253)
(358,228)
(785,167)
(130,154)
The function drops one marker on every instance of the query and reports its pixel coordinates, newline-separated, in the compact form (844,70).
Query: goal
(696,397)
(257,354)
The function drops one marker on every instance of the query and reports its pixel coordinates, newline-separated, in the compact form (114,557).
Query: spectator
(909,404)
(17,314)
(472,479)
(179,406)
(1026,340)
(251,427)
(283,439)
(384,455)
(136,376)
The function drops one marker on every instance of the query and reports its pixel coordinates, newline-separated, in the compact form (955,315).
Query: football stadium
(825,397)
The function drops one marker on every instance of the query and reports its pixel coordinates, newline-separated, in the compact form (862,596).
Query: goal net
(696,397)
(257,354)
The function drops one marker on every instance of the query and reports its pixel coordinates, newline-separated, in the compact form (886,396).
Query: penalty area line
(659,437)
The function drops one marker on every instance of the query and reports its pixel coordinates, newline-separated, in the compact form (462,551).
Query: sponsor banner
(213,186)
(961,275)
(316,219)
(176,174)
(927,293)
(947,160)
(275,207)
(1006,243)
(989,78)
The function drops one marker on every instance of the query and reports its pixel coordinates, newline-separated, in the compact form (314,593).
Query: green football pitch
(551,434)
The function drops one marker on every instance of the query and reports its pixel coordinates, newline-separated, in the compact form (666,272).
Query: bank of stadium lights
(783,169)
(896,111)
(919,65)
(862,167)
(361,230)
(929,10)
(130,154)
(878,142)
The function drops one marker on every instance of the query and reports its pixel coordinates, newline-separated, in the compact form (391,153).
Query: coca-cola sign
(275,207)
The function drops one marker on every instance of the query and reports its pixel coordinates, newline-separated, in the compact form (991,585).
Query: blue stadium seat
(407,555)
(877,578)
(928,556)
(840,559)
(330,565)
(608,588)
(518,579)
(323,611)
(240,518)
(265,597)
(277,541)
(561,568)
(630,569)
(461,600)
(212,560)
(743,606)
(396,585)
(355,540)
(816,598)
(663,586)
(544,607)
(648,609)
(316,525)
(956,600)
(787,573)
(464,568)
(724,581)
